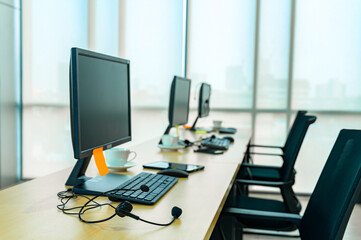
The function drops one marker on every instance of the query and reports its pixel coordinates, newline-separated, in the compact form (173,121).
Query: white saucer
(172,148)
(124,167)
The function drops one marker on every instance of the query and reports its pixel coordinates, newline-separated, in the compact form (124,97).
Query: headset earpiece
(124,208)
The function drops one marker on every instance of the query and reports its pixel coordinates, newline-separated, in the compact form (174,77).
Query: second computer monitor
(204,97)
(179,101)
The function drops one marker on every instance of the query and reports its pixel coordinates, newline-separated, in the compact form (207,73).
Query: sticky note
(201,132)
(100,161)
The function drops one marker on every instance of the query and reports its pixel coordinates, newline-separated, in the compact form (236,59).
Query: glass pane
(273,59)
(221,49)
(270,129)
(50,29)
(152,38)
(47,143)
(105,27)
(327,55)
(317,145)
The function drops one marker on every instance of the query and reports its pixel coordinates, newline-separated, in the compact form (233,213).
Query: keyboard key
(158,190)
(127,193)
(120,192)
(150,196)
(143,195)
(136,193)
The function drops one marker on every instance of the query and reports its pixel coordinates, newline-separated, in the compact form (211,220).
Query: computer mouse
(231,139)
(174,173)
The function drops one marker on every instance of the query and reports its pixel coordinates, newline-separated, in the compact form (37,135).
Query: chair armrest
(248,165)
(264,215)
(262,183)
(264,146)
(268,154)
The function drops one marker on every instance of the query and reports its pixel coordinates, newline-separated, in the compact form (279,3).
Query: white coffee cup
(217,124)
(170,140)
(118,157)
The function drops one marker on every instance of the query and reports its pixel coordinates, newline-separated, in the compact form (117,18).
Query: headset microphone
(125,208)
(176,212)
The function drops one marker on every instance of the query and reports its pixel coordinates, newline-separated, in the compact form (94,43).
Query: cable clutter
(122,210)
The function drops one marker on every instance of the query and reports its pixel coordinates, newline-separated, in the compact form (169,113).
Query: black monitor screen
(179,101)
(204,97)
(100,103)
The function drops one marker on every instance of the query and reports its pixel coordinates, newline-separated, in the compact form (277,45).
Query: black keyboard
(216,143)
(158,186)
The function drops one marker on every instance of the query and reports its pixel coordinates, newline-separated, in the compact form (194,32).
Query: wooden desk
(28,210)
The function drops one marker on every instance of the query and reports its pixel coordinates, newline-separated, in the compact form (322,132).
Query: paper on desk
(100,161)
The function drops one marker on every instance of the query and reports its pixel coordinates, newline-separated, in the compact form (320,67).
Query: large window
(50,29)
(327,61)
(265,59)
(152,38)
(326,77)
(221,49)
(273,54)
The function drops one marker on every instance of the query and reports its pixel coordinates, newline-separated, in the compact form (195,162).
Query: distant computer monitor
(179,101)
(203,104)
(100,112)
(204,97)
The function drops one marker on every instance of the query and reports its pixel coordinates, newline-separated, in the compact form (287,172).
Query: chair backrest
(300,114)
(290,154)
(336,191)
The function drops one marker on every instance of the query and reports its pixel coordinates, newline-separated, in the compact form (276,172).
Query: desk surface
(28,210)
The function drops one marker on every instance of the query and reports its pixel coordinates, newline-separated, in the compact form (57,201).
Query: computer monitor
(203,104)
(178,102)
(100,114)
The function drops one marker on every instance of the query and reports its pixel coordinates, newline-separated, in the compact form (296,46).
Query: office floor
(353,230)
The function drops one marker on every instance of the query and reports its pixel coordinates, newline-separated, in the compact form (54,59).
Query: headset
(125,208)
(122,210)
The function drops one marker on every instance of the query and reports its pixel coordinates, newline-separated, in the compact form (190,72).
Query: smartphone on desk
(168,165)
(209,151)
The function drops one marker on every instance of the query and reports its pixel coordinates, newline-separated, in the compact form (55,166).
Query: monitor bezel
(74,106)
(201,100)
(171,100)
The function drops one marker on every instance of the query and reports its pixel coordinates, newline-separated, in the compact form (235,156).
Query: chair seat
(265,174)
(252,203)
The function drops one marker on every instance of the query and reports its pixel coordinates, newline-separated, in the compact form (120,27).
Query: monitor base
(100,184)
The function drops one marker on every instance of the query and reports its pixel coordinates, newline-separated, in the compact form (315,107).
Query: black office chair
(280,177)
(289,140)
(270,173)
(331,202)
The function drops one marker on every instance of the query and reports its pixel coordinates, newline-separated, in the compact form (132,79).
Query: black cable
(82,211)
(158,224)
(66,196)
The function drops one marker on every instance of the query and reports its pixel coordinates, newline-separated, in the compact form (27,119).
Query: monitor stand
(92,186)
(185,142)
(193,128)
(166,132)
